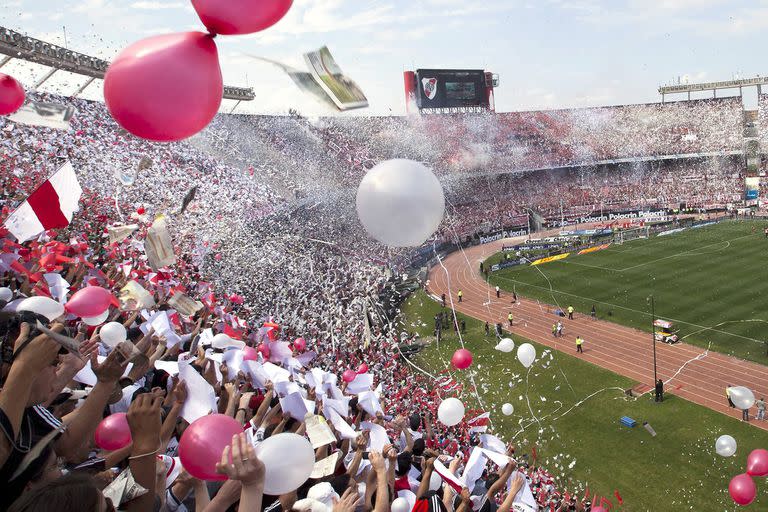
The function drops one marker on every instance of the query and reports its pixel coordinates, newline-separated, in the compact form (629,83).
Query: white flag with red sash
(50,206)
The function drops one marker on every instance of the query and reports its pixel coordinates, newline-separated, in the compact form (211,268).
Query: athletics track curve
(620,349)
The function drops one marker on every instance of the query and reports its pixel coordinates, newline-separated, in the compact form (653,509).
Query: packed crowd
(345,147)
(278,310)
(384,443)
(268,305)
(488,204)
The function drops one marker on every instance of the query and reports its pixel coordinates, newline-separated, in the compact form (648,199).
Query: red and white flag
(49,207)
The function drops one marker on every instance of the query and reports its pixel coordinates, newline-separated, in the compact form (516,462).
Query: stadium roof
(15,45)
(711,86)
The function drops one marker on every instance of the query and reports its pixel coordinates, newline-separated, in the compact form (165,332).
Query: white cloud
(154,6)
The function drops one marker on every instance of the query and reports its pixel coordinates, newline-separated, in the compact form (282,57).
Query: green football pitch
(712,282)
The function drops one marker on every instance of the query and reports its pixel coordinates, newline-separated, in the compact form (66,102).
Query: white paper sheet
(378,438)
(362,383)
(296,406)
(318,431)
(342,427)
(201,397)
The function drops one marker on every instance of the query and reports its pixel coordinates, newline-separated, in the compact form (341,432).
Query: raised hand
(239,462)
(348,502)
(144,421)
(180,392)
(110,370)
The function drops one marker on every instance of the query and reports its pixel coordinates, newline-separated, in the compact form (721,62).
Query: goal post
(626,235)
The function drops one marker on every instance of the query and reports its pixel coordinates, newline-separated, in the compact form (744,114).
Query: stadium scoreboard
(449,90)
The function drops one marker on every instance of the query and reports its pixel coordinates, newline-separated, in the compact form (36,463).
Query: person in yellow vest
(554,330)
(579,343)
(460,295)
(510,318)
(570,312)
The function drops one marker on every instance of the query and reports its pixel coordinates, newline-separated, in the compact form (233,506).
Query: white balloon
(505,345)
(289,459)
(507,409)
(526,354)
(401,505)
(96,320)
(450,412)
(435,481)
(400,203)
(45,306)
(742,397)
(112,334)
(6,294)
(725,446)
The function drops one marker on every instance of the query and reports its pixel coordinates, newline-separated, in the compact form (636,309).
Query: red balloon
(89,301)
(165,88)
(363,368)
(203,441)
(250,354)
(11,95)
(113,432)
(462,359)
(264,350)
(757,463)
(229,17)
(742,489)
(300,344)
(349,375)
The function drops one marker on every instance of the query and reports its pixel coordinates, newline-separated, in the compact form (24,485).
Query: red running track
(622,350)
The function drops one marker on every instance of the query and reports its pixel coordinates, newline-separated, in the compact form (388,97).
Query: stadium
(581,329)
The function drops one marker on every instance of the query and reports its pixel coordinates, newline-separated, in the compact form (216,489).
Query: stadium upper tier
(502,142)
(246,167)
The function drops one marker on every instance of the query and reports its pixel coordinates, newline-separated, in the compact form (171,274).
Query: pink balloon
(11,95)
(264,350)
(89,301)
(113,432)
(462,359)
(363,368)
(598,509)
(300,344)
(742,489)
(165,88)
(229,17)
(349,375)
(757,463)
(203,441)
(250,354)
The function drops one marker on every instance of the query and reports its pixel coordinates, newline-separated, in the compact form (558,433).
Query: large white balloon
(112,334)
(6,294)
(526,354)
(725,446)
(49,308)
(507,409)
(742,397)
(450,412)
(400,203)
(401,505)
(96,320)
(505,345)
(289,459)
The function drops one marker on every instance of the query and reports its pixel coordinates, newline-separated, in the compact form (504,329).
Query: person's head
(418,447)
(44,384)
(71,493)
(404,462)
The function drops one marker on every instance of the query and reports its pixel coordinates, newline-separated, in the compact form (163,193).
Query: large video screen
(445,88)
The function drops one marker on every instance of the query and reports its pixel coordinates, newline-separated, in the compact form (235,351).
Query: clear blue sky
(548,53)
